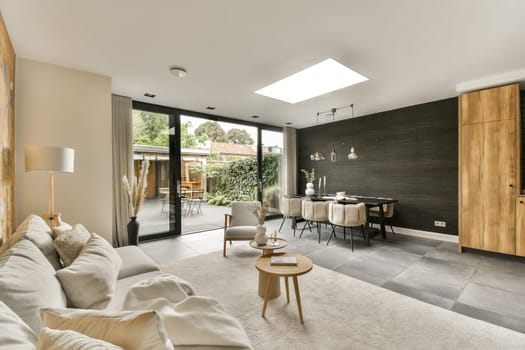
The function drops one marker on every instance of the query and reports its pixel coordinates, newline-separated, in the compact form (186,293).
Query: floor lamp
(50,160)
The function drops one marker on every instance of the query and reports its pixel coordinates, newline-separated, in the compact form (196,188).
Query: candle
(319,185)
(324,180)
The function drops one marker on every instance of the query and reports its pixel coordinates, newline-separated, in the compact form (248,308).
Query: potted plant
(310,178)
(260,214)
(135,196)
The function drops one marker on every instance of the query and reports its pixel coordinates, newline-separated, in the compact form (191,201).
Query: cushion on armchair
(28,283)
(240,232)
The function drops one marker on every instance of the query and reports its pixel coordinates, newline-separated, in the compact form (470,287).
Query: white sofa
(28,281)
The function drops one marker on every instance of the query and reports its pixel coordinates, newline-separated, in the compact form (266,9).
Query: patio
(152,220)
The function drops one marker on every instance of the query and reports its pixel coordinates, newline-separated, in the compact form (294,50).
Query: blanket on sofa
(188,319)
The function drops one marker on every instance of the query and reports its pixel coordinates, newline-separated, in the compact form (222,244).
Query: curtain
(122,164)
(289,161)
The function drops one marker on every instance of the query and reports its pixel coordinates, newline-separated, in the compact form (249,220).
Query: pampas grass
(136,191)
(260,213)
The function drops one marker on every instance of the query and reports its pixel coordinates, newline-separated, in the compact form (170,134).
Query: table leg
(267,294)
(287,290)
(382,215)
(298,298)
(275,289)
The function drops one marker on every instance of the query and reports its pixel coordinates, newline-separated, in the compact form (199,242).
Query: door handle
(521,202)
(511,185)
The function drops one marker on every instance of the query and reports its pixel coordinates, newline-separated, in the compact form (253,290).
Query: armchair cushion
(242,214)
(240,232)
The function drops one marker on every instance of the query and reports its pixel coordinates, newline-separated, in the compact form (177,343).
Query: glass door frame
(175,214)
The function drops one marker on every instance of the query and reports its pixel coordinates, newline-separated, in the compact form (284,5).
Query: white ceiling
(412,51)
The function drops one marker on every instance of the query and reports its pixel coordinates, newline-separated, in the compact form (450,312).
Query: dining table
(369,202)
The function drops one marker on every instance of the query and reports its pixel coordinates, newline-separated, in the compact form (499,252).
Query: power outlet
(440,223)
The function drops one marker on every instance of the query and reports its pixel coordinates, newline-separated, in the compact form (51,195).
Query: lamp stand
(52,218)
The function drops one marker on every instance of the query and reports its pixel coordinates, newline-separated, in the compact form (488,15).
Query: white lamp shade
(44,159)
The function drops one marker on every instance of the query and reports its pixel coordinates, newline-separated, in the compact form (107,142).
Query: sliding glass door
(199,164)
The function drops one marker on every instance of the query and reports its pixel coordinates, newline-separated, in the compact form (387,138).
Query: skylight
(319,79)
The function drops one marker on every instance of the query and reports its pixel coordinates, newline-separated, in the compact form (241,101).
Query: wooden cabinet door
(489,105)
(520,226)
(472,206)
(499,178)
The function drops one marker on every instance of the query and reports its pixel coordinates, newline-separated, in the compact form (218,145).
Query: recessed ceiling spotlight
(289,123)
(178,71)
(211,108)
(147,94)
(255,116)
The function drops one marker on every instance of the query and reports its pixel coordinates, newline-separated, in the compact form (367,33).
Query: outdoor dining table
(369,202)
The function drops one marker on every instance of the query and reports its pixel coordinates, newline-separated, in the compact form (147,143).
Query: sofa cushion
(90,280)
(241,232)
(140,330)
(135,262)
(14,333)
(35,229)
(58,230)
(70,243)
(52,339)
(123,286)
(28,283)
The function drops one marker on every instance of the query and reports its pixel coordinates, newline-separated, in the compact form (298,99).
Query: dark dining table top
(368,201)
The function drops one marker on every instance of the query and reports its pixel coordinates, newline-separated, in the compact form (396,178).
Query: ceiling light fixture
(178,71)
(211,108)
(319,79)
(147,94)
(352,155)
(255,116)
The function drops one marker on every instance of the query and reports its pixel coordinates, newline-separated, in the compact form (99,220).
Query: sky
(270,138)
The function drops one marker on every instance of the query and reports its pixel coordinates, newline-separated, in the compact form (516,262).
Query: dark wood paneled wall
(410,154)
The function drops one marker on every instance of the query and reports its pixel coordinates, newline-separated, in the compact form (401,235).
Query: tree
(187,139)
(212,130)
(150,128)
(239,136)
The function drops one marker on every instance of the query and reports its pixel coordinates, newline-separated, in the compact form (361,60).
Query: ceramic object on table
(340,195)
(309,189)
(260,236)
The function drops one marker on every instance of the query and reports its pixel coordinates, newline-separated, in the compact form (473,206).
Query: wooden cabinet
(520,225)
(489,168)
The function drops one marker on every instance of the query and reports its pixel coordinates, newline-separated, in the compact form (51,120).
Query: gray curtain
(289,161)
(122,164)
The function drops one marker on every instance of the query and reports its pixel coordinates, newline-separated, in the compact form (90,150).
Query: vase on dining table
(309,189)
(260,236)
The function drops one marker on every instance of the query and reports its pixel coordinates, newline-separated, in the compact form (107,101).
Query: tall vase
(133,231)
(260,236)
(309,189)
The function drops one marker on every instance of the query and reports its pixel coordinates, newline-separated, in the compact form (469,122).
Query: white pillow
(58,230)
(70,243)
(35,229)
(14,333)
(89,282)
(52,339)
(28,283)
(132,330)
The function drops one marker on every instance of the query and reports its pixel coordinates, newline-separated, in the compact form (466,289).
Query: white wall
(58,106)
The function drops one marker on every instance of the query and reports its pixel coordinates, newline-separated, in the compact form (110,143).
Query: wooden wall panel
(520,225)
(409,153)
(7,133)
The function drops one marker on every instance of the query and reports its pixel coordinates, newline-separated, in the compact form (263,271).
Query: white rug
(340,312)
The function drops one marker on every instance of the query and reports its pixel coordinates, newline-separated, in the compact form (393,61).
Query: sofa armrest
(135,262)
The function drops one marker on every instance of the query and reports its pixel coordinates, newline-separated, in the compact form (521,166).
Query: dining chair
(241,224)
(347,215)
(388,212)
(315,212)
(291,208)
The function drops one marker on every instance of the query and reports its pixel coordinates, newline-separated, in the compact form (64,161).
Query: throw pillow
(14,333)
(28,283)
(132,330)
(58,230)
(89,282)
(52,339)
(35,229)
(69,243)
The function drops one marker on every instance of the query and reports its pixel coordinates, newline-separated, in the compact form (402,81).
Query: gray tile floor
(482,285)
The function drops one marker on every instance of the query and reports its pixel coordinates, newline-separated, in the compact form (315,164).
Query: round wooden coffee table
(304,265)
(275,290)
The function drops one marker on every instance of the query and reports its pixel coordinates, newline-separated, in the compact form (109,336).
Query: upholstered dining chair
(315,212)
(291,208)
(241,224)
(347,215)
(388,212)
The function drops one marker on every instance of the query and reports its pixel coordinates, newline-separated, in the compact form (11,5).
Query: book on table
(283,260)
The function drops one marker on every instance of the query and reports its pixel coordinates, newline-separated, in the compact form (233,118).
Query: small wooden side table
(275,291)
(304,265)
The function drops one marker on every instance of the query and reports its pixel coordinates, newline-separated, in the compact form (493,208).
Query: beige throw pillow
(132,330)
(89,282)
(52,339)
(14,333)
(70,243)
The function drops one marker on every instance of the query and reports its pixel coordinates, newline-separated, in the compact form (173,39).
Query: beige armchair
(291,208)
(347,215)
(241,224)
